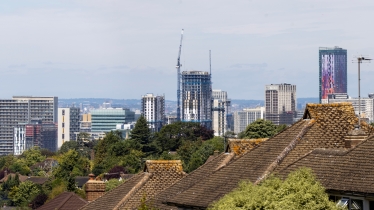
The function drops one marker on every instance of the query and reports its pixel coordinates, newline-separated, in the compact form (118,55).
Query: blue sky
(127,48)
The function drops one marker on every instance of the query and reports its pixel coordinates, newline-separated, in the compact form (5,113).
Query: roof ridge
(140,184)
(163,164)
(225,161)
(285,151)
(288,127)
(65,200)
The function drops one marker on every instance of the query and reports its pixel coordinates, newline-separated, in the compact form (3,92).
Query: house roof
(21,177)
(240,146)
(198,175)
(37,180)
(34,179)
(235,148)
(64,201)
(81,180)
(337,170)
(156,176)
(323,126)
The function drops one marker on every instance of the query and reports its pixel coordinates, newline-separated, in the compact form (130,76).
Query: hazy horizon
(125,49)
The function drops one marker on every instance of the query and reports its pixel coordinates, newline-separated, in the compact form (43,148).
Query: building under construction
(197,97)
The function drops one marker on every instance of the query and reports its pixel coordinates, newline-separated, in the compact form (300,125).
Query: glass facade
(332,72)
(105,120)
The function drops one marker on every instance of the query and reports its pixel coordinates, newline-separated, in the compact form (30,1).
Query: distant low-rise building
(105,120)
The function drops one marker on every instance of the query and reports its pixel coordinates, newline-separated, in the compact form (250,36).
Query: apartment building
(17,112)
(68,124)
(153,109)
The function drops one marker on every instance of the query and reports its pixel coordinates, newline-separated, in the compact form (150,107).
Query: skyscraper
(197,97)
(332,72)
(153,109)
(280,103)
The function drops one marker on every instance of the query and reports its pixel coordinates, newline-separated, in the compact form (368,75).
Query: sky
(124,49)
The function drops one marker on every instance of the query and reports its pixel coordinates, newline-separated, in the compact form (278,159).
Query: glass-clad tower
(332,72)
(197,97)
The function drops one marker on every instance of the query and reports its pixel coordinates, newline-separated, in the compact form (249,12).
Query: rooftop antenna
(360,59)
(179,79)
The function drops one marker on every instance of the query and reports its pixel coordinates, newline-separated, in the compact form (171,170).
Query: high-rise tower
(153,109)
(280,103)
(197,97)
(220,110)
(332,72)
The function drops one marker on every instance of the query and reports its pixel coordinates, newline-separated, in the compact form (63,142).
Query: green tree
(70,165)
(69,145)
(111,150)
(33,156)
(172,136)
(112,183)
(133,161)
(142,134)
(24,193)
(20,165)
(102,149)
(300,190)
(259,129)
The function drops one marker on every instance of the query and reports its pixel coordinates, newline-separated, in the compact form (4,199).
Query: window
(63,112)
(63,136)
(63,125)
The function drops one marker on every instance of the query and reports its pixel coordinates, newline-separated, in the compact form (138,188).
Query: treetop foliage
(261,129)
(300,190)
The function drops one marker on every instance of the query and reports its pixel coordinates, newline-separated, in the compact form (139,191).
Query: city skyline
(126,45)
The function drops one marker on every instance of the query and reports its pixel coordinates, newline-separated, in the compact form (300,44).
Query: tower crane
(179,78)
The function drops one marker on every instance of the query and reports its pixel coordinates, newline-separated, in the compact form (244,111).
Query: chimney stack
(354,137)
(94,189)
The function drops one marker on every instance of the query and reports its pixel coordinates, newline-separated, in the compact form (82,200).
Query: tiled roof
(37,180)
(157,176)
(198,175)
(323,126)
(64,201)
(240,146)
(349,171)
(21,177)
